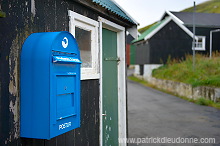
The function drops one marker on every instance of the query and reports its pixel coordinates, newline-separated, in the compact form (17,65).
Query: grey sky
(148,11)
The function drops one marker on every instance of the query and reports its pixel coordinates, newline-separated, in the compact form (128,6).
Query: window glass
(200,43)
(83,38)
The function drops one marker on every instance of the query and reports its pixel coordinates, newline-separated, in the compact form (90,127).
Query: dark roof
(129,38)
(201,19)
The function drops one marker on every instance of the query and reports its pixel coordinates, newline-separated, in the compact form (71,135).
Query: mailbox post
(50,85)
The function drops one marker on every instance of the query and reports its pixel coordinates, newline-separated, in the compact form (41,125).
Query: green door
(110,88)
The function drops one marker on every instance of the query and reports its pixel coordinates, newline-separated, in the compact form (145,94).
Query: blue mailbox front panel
(50,85)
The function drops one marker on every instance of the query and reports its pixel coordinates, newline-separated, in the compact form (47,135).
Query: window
(83,38)
(85,30)
(200,43)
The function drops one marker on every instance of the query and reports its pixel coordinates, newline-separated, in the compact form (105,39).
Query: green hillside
(211,6)
(141,30)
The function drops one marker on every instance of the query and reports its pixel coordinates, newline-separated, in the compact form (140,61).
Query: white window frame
(80,21)
(197,47)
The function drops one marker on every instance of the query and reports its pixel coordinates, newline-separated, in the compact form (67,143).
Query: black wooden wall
(202,31)
(142,53)
(24,17)
(169,42)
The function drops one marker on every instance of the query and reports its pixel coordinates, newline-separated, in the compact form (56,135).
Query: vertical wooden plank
(12,37)
(132,54)
(51,142)
(110,88)
(31,142)
(61,140)
(70,138)
(88,133)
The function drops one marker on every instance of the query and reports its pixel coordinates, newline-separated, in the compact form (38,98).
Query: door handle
(103,114)
(112,59)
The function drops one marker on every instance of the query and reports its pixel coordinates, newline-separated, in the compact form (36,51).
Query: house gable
(158,26)
(169,42)
(170,31)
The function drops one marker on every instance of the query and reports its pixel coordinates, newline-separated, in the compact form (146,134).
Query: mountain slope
(141,30)
(211,6)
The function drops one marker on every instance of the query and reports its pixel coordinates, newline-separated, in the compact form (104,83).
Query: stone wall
(187,90)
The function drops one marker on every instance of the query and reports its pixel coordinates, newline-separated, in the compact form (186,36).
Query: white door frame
(122,114)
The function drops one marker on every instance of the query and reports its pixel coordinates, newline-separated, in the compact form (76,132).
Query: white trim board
(122,114)
(170,14)
(100,88)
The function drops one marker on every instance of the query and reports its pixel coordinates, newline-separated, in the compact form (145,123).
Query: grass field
(2,14)
(206,72)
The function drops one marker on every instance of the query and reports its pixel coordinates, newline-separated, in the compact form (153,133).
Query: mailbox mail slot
(50,85)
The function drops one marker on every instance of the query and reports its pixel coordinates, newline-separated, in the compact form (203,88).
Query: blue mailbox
(50,85)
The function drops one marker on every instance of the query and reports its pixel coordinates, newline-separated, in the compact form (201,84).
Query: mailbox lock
(65,88)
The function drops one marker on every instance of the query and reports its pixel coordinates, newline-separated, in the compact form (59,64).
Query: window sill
(90,76)
(199,49)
